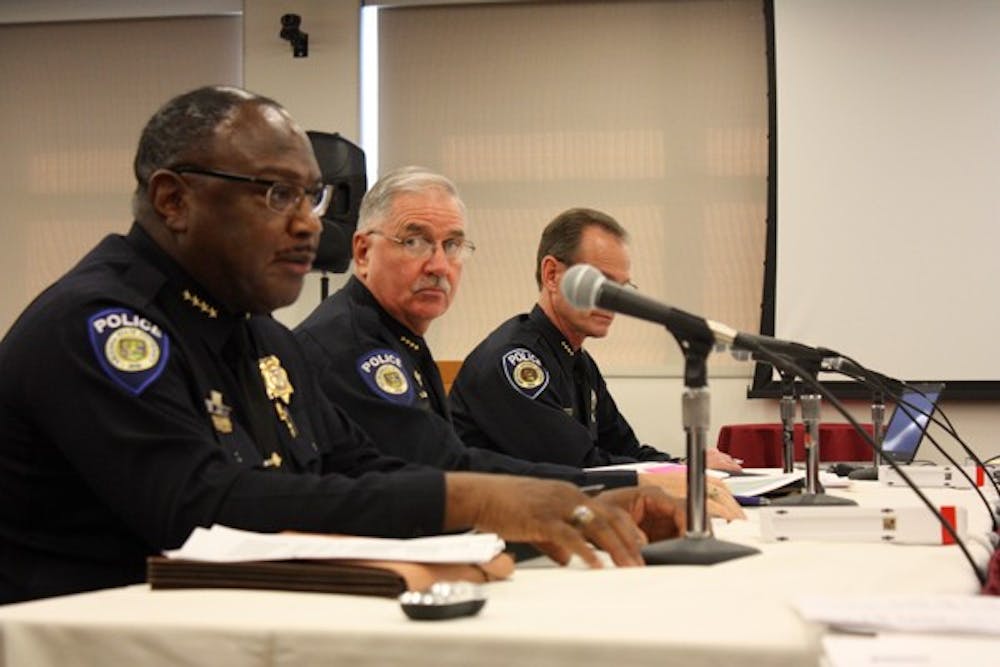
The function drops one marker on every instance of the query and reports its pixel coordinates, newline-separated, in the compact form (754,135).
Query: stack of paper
(222,557)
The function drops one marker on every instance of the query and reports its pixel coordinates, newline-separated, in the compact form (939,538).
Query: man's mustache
(433,282)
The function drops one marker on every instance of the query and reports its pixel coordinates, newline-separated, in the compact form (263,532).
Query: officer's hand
(717,460)
(659,515)
(556,517)
(720,502)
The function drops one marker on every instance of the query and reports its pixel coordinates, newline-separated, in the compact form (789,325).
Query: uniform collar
(360,293)
(193,309)
(563,350)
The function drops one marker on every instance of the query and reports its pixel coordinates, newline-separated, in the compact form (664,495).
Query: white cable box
(903,525)
(946,476)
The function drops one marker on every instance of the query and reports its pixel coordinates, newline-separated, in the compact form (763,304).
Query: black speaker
(343,166)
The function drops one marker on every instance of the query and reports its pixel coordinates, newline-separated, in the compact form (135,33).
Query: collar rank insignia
(275,377)
(130,349)
(384,374)
(566,346)
(199,303)
(273,461)
(413,345)
(525,372)
(219,412)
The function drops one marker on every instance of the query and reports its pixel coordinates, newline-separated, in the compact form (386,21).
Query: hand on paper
(720,502)
(557,517)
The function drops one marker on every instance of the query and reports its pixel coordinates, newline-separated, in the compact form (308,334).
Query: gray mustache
(433,282)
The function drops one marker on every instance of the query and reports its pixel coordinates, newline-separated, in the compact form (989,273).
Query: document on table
(968,614)
(221,544)
(653,467)
(759,484)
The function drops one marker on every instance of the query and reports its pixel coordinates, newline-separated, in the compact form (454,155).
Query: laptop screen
(907,426)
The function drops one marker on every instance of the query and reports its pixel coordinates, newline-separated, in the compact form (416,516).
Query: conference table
(740,612)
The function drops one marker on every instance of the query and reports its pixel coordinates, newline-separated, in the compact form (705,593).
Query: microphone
(585,287)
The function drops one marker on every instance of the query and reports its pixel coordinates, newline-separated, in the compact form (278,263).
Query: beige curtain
(75,97)
(655,112)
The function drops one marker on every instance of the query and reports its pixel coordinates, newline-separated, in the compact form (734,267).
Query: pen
(752,501)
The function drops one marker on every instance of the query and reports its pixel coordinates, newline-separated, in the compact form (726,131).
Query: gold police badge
(391,380)
(528,374)
(132,350)
(275,377)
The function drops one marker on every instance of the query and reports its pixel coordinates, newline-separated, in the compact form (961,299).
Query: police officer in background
(530,389)
(366,343)
(148,391)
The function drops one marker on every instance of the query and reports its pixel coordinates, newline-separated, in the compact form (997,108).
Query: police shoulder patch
(383,372)
(130,349)
(525,372)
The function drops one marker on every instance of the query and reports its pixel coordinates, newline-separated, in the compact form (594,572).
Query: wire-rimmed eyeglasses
(456,249)
(281,197)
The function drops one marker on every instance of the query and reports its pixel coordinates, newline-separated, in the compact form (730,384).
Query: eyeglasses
(627,283)
(456,249)
(280,197)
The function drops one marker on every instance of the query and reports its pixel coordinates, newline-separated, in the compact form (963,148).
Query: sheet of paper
(909,650)
(656,467)
(756,485)
(969,614)
(222,544)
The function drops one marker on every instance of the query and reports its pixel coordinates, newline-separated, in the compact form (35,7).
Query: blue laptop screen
(907,426)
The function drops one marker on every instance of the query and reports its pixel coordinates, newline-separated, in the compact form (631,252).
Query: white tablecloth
(735,613)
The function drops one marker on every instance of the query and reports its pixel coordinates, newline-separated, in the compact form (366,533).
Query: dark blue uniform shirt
(125,425)
(385,377)
(524,391)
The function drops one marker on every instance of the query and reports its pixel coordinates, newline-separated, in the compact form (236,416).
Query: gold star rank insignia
(199,303)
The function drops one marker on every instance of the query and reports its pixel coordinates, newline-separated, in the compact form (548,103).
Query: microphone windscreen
(580,285)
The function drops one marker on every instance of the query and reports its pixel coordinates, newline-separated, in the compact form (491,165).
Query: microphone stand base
(816,499)
(694,551)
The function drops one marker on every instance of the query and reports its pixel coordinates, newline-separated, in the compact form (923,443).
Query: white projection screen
(885,181)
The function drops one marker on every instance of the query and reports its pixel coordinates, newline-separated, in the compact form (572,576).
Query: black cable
(886,384)
(781,361)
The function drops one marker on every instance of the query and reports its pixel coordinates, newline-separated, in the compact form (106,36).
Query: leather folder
(382,578)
